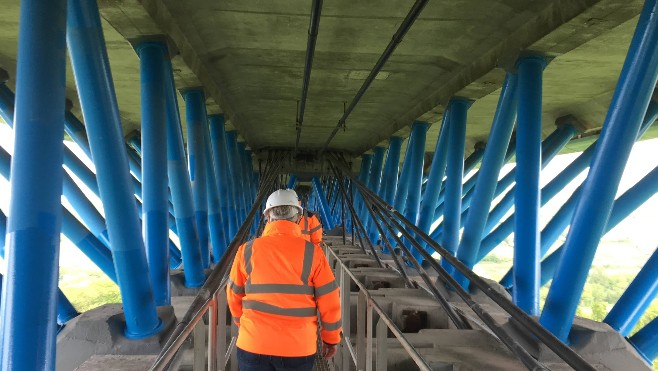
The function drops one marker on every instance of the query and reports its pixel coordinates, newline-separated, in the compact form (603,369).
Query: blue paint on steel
(234,171)
(526,193)
(457,108)
(435,178)
(633,198)
(6,103)
(65,310)
(76,130)
(494,158)
(415,174)
(196,120)
(403,181)
(3,232)
(227,201)
(155,209)
(91,68)
(373,182)
(646,341)
(366,162)
(550,147)
(215,217)
(292,182)
(467,189)
(628,106)
(327,222)
(244,180)
(630,307)
(390,174)
(33,230)
(181,191)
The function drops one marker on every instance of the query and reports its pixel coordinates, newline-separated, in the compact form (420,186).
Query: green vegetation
(605,284)
(87,289)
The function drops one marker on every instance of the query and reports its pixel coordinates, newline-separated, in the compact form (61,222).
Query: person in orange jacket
(311,227)
(277,285)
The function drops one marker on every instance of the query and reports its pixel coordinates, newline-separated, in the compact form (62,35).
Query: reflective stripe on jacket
(311,227)
(277,285)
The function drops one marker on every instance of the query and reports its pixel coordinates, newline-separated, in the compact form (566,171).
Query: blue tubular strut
(390,174)
(633,198)
(181,191)
(550,147)
(98,101)
(415,173)
(366,162)
(324,206)
(240,179)
(292,182)
(234,171)
(458,108)
(65,310)
(196,121)
(628,106)
(526,193)
(374,179)
(403,180)
(494,158)
(82,172)
(561,219)
(630,307)
(155,211)
(227,201)
(215,217)
(87,242)
(646,341)
(29,322)
(435,178)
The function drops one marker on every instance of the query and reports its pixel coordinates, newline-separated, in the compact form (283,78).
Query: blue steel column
(65,310)
(628,106)
(403,182)
(415,175)
(231,149)
(29,322)
(633,198)
(324,206)
(292,182)
(155,201)
(227,201)
(373,182)
(435,178)
(216,225)
(458,108)
(526,196)
(626,313)
(181,191)
(390,174)
(366,162)
(94,81)
(194,104)
(646,341)
(494,158)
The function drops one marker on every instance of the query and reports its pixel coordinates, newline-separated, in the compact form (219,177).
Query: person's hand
(329,350)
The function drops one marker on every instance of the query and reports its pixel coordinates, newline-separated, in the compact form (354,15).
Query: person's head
(283,205)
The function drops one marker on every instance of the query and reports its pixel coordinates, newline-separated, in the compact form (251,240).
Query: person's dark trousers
(258,362)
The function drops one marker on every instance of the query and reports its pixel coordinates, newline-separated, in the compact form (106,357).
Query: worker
(277,285)
(311,226)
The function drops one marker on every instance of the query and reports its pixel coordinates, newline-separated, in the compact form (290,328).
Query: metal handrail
(563,351)
(215,282)
(359,358)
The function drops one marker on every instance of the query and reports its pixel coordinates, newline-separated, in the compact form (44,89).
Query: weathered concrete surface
(117,363)
(100,331)
(249,57)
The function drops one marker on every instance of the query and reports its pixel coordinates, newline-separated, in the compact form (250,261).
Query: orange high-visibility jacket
(277,285)
(311,227)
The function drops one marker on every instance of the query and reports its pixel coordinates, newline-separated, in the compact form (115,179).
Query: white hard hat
(282,197)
